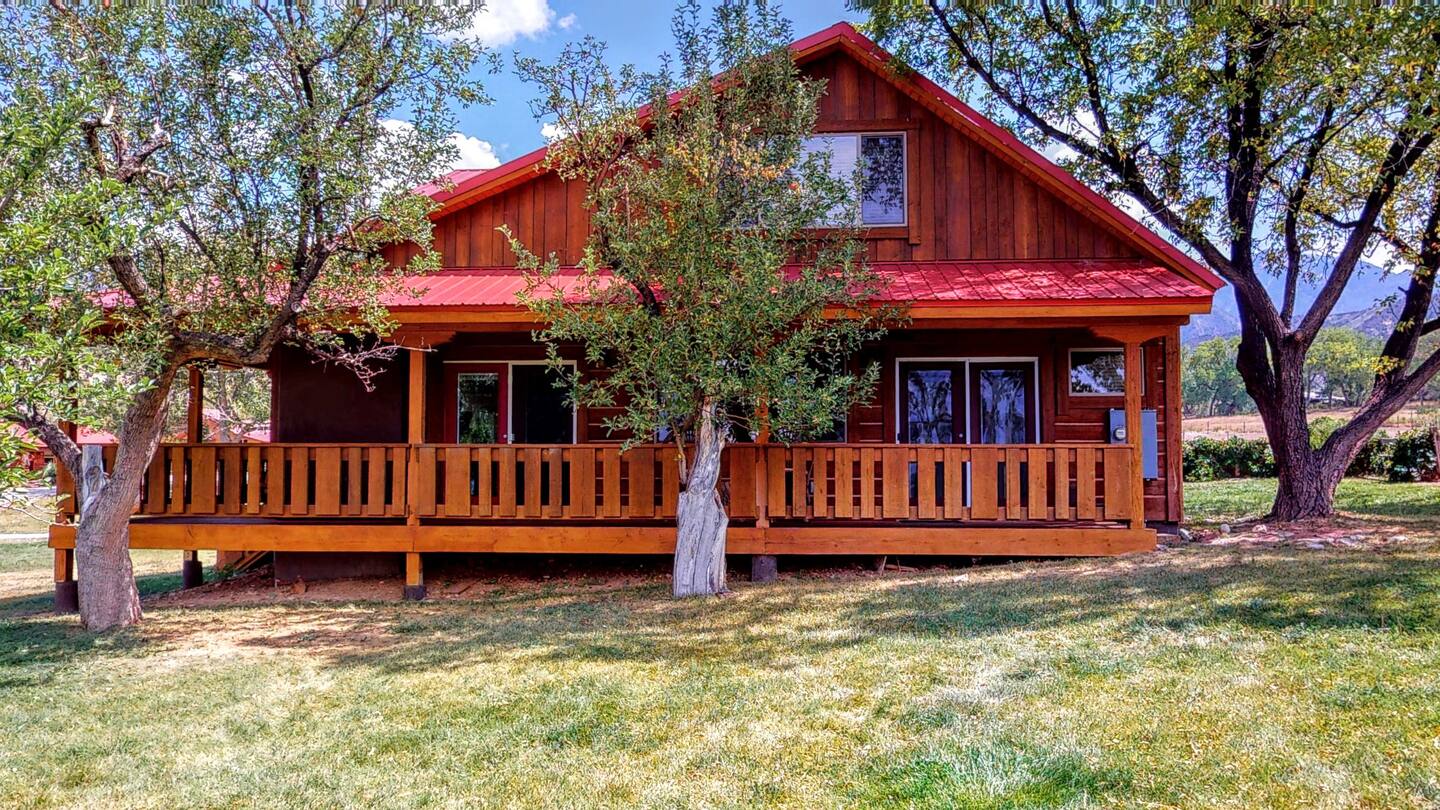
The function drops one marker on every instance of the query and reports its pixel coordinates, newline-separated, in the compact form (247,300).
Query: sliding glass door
(1002,402)
(506,403)
(959,401)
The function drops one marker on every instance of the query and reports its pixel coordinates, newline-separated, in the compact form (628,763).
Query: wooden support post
(192,573)
(764,568)
(1134,433)
(415,430)
(414,577)
(762,469)
(67,590)
(67,504)
(195,407)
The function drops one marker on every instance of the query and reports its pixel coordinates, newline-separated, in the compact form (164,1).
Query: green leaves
(196,183)
(709,276)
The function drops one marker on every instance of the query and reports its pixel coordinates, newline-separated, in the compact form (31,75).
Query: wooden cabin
(1030,407)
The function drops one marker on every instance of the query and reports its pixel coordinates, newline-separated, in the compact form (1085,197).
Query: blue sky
(636,32)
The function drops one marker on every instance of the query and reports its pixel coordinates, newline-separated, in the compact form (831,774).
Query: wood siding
(964,201)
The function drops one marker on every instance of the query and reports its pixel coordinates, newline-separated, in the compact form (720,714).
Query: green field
(1207,676)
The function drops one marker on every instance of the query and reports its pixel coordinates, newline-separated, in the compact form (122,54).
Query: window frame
(860,135)
(507,380)
(1120,350)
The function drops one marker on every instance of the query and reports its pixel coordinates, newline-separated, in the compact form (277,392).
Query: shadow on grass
(44,601)
(34,641)
(781,626)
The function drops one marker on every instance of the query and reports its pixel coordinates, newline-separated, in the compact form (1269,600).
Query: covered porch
(973,491)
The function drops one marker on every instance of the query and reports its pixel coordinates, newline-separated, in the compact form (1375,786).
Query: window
(1097,372)
(881,158)
(506,403)
(540,411)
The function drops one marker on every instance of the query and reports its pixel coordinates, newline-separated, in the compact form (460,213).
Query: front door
(932,403)
(1002,403)
(475,403)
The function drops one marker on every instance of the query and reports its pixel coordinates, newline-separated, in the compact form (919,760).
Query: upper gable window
(882,182)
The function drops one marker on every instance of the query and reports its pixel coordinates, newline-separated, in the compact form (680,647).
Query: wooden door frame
(1030,369)
(451,378)
(959,396)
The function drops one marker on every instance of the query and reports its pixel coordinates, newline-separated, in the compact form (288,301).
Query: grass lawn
(1199,677)
(1233,500)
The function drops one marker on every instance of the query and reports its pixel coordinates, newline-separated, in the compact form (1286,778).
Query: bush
(1413,457)
(1322,428)
(1373,457)
(1210,459)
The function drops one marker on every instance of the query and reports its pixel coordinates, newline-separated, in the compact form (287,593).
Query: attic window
(882,159)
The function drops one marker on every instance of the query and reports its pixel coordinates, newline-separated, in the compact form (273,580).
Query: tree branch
(48,432)
(1124,168)
(1294,201)
(1407,147)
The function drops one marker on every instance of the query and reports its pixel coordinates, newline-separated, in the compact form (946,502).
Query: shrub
(1373,458)
(1208,459)
(1413,456)
(1321,428)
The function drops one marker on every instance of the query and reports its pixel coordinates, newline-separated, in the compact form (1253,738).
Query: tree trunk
(1307,488)
(700,518)
(1307,477)
(108,598)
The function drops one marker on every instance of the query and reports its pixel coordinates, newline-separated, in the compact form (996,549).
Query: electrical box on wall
(1150,442)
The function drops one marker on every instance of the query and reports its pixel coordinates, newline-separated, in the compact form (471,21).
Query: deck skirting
(1009,541)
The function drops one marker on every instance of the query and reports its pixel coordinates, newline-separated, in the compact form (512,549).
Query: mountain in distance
(1370,302)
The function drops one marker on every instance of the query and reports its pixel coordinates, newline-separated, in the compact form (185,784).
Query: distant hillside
(1369,303)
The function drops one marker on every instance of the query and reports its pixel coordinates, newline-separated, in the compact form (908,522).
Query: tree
(222,175)
(1340,365)
(1210,385)
(707,293)
(1258,137)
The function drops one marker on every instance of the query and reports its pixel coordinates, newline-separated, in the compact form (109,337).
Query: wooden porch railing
(271,480)
(807,482)
(1034,482)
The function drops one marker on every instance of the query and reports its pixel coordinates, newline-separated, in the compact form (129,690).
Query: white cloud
(567,22)
(1081,125)
(501,22)
(474,153)
(552,132)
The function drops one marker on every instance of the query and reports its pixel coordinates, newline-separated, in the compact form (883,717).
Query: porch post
(65,486)
(763,567)
(195,407)
(415,431)
(192,573)
(414,577)
(67,590)
(1134,433)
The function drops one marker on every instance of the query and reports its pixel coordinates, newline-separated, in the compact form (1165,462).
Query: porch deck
(1011,500)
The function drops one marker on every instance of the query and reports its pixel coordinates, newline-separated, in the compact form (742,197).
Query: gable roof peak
(467,186)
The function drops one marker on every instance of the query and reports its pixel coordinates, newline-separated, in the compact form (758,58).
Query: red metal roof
(940,283)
